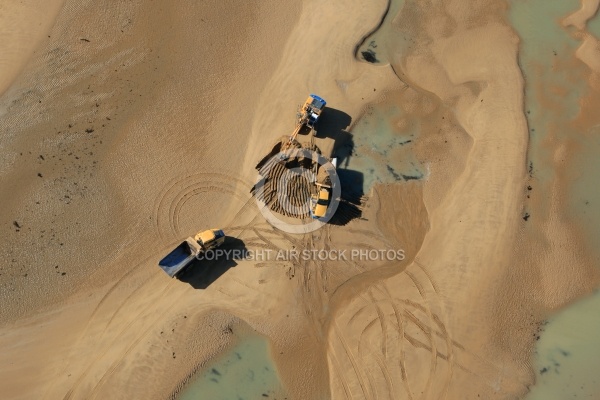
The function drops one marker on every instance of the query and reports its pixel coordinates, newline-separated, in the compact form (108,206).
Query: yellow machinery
(308,115)
(183,255)
(320,202)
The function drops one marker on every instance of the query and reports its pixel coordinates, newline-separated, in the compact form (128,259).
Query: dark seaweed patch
(369,56)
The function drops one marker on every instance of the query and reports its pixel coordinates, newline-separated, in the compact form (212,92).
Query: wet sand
(132,127)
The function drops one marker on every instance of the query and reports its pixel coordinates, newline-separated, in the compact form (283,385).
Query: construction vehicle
(307,115)
(311,111)
(319,202)
(191,248)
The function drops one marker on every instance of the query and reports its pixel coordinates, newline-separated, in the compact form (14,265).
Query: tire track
(433,349)
(180,203)
(364,331)
(382,323)
(269,243)
(179,189)
(337,369)
(401,361)
(386,375)
(454,345)
(111,344)
(125,302)
(409,316)
(111,370)
(438,321)
(449,357)
(190,192)
(352,359)
(100,303)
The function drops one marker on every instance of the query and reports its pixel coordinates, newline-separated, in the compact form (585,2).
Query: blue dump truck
(183,255)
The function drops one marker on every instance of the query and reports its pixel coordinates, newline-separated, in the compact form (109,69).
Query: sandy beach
(128,126)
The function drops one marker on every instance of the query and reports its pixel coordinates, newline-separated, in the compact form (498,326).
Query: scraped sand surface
(133,125)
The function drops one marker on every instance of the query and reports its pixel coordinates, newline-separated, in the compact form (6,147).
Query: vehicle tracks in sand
(353,362)
(168,213)
(91,320)
(385,357)
(177,192)
(151,303)
(167,210)
(115,364)
(405,324)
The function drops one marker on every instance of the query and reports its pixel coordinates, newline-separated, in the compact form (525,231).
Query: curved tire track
(178,191)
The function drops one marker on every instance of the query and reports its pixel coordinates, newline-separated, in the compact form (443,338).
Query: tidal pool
(567,356)
(552,92)
(383,147)
(593,26)
(555,84)
(246,372)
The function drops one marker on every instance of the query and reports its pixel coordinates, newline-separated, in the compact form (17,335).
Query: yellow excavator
(308,115)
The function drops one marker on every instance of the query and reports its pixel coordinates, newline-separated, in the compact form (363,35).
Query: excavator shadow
(202,273)
(333,124)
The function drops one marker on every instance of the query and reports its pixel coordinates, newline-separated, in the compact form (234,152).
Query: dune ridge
(134,125)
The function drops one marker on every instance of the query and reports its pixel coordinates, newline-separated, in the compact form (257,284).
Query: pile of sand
(136,124)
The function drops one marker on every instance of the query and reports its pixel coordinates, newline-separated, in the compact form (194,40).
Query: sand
(23,28)
(134,125)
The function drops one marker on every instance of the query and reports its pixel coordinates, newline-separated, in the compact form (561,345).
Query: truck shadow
(351,198)
(200,274)
(333,124)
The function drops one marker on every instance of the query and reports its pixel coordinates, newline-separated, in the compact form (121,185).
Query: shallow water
(556,82)
(584,200)
(246,372)
(593,26)
(383,144)
(376,47)
(551,91)
(567,355)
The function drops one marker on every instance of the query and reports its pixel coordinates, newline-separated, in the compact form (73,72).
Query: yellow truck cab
(320,203)
(183,255)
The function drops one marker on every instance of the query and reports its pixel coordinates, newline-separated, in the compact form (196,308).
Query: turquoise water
(385,135)
(568,355)
(585,193)
(383,141)
(593,26)
(556,82)
(246,372)
(551,92)
(379,43)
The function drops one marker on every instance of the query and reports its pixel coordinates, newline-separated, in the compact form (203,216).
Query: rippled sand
(127,126)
